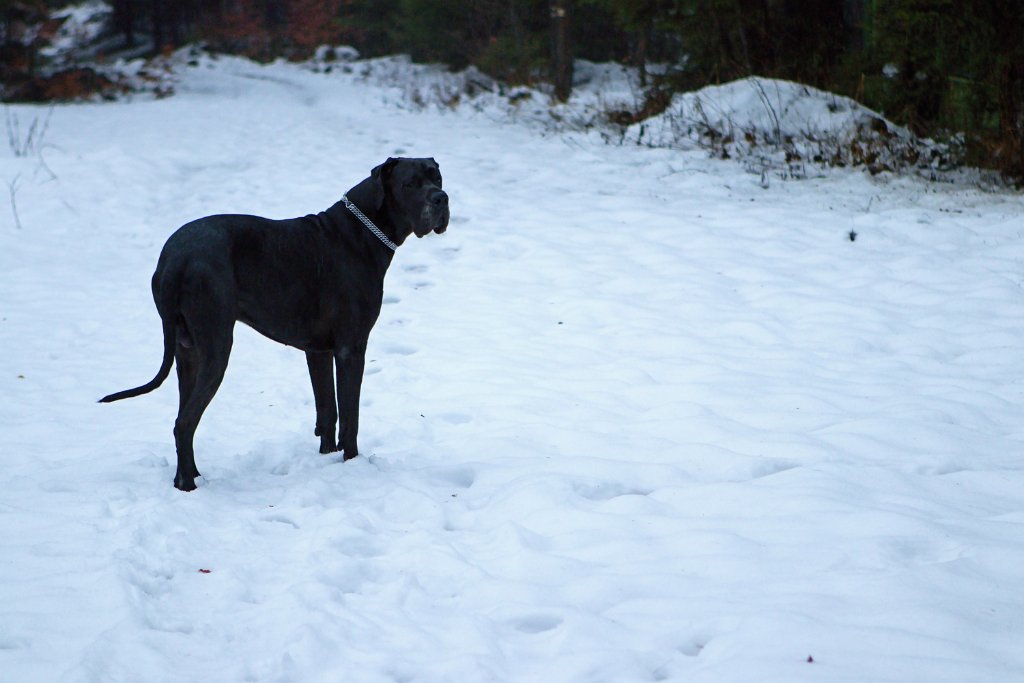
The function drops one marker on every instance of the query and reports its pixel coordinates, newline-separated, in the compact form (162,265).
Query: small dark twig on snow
(12,186)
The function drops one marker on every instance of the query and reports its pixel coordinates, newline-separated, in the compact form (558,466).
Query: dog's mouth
(438,225)
(442,224)
(439,230)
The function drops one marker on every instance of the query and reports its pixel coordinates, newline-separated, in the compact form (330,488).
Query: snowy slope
(632,418)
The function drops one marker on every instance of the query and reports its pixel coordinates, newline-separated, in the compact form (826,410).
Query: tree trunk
(741,31)
(158,19)
(641,52)
(1010,97)
(124,20)
(561,48)
(522,61)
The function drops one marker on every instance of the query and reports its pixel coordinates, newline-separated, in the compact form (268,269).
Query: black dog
(315,283)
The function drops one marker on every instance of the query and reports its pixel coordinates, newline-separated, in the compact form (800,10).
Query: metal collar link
(378,233)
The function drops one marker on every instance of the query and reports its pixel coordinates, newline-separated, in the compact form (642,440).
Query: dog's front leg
(321,373)
(350,362)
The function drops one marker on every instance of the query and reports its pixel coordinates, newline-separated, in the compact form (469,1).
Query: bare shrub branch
(12,187)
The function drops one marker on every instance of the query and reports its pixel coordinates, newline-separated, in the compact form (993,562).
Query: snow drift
(784,122)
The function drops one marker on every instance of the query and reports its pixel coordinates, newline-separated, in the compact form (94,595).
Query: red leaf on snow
(204,571)
(810,659)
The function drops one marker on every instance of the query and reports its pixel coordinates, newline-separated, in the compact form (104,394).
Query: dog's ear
(380,172)
(377,181)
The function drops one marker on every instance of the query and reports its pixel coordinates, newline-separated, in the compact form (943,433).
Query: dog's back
(274,274)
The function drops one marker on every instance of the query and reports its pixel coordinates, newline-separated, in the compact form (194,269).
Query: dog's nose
(440,199)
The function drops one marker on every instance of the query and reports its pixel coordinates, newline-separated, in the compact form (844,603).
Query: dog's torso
(296,281)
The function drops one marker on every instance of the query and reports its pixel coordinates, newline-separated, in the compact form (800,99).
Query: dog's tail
(161,375)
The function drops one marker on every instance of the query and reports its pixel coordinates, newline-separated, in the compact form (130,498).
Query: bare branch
(12,186)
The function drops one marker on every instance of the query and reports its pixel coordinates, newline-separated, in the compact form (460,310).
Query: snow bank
(598,89)
(771,125)
(782,122)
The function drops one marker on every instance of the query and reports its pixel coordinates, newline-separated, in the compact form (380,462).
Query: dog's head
(411,190)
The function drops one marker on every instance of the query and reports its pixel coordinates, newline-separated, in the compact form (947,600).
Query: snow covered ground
(633,418)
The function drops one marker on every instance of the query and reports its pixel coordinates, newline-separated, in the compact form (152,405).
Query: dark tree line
(937,66)
(262,29)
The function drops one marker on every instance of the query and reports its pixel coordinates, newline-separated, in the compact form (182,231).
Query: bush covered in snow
(786,122)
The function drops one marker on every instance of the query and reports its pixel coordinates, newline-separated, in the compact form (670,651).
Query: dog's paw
(185,484)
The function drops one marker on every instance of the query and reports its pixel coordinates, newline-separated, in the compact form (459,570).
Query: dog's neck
(367,195)
(370,225)
(357,234)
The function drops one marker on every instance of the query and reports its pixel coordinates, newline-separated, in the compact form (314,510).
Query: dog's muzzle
(435,214)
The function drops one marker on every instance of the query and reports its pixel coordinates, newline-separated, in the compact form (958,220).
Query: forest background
(951,70)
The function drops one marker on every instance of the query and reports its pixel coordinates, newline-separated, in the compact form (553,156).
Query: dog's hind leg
(187,364)
(208,313)
(211,363)
(321,373)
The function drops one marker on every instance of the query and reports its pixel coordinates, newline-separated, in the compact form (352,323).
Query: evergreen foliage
(938,66)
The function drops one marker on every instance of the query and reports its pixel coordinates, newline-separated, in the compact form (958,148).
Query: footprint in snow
(399,350)
(281,519)
(537,623)
(693,647)
(767,469)
(364,548)
(606,490)
(463,477)
(9,642)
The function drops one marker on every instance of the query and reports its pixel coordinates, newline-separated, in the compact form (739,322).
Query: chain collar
(378,233)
